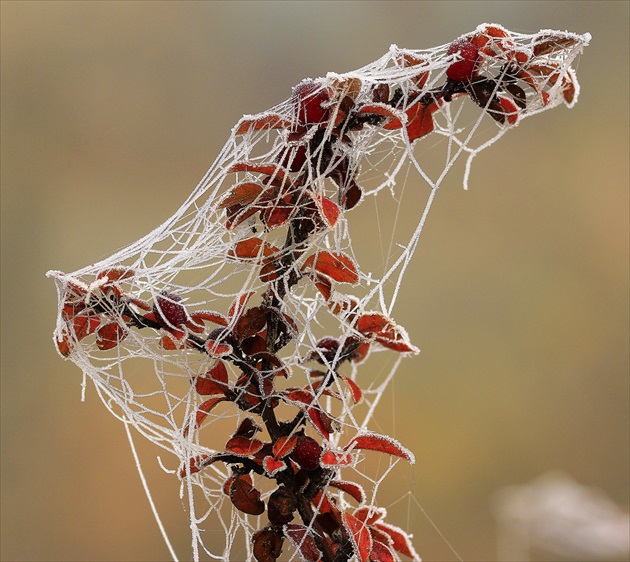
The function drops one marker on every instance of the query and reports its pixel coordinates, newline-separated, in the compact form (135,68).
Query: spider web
(213,260)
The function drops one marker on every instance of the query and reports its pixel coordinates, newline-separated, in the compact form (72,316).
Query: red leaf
(116,274)
(360,535)
(277,175)
(336,459)
(386,332)
(328,209)
(245,497)
(394,117)
(284,445)
(110,335)
(370,514)
(86,324)
(256,123)
(300,538)
(218,348)
(381,443)
(350,488)
(277,215)
(381,553)
(250,323)
(204,409)
(243,446)
(321,421)
(355,391)
(299,395)
(324,286)
(238,214)
(420,120)
(401,540)
(253,248)
(64,345)
(242,194)
(273,466)
(215,380)
(247,428)
(339,267)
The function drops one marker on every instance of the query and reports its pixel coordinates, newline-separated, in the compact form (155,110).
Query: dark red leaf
(256,123)
(245,497)
(243,446)
(386,332)
(267,545)
(337,266)
(321,421)
(218,348)
(350,488)
(215,380)
(301,539)
(284,445)
(360,535)
(250,323)
(64,345)
(110,335)
(324,286)
(247,428)
(401,540)
(381,443)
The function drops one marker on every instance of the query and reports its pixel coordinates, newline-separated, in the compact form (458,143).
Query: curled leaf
(381,443)
(335,265)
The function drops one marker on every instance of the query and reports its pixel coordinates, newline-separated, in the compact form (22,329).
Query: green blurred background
(518,295)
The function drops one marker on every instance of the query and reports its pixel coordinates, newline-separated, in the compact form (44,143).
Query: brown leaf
(242,194)
(253,248)
(267,545)
(302,540)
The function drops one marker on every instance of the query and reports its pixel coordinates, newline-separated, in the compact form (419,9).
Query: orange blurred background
(518,294)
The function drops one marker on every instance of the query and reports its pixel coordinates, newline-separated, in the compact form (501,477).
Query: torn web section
(245,335)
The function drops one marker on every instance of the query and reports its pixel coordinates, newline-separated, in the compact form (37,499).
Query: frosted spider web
(182,303)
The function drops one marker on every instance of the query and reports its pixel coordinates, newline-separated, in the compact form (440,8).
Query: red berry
(307,453)
(464,69)
(168,311)
(310,98)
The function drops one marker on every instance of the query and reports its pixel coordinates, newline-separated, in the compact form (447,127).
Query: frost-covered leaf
(110,335)
(284,445)
(272,466)
(335,265)
(245,497)
(215,381)
(381,443)
(250,124)
(350,488)
(243,446)
(381,552)
(401,540)
(359,534)
(304,543)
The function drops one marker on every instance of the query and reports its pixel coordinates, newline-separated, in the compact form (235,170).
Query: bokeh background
(518,295)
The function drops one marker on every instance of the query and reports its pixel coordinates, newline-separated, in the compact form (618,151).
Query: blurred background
(518,295)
